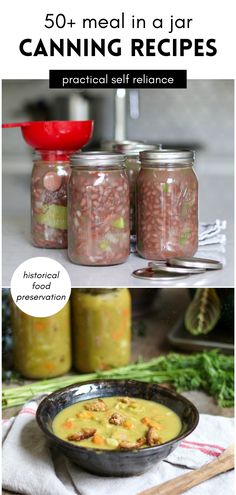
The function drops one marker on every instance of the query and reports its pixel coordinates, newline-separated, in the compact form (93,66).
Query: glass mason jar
(101,328)
(98,209)
(131,150)
(167,205)
(41,346)
(49,199)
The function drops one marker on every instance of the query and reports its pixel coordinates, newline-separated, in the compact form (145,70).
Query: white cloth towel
(32,467)
(209,234)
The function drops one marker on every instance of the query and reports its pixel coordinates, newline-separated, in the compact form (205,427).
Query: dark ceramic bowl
(115,462)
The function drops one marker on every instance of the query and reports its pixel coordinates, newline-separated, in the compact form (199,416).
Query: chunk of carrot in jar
(39,326)
(126,312)
(49,366)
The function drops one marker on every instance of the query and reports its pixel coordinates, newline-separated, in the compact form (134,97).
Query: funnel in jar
(64,135)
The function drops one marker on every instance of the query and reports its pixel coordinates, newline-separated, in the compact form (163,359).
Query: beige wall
(200,116)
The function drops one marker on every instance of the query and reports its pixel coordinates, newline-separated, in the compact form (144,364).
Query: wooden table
(168,308)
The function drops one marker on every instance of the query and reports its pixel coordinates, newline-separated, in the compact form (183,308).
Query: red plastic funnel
(64,135)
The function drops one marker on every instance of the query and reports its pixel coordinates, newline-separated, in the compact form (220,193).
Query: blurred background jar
(101,328)
(131,150)
(167,204)
(41,346)
(143,301)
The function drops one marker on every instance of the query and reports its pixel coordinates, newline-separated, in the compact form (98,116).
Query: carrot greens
(210,371)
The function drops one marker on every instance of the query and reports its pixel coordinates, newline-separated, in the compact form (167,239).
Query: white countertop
(216,201)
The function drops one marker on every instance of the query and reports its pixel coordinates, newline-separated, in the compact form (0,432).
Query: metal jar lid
(175,269)
(133,148)
(155,275)
(108,145)
(203,263)
(97,158)
(167,157)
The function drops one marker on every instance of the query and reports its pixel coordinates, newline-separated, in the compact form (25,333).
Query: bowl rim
(29,123)
(43,122)
(147,450)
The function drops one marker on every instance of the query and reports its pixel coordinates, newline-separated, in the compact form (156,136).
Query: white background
(25,19)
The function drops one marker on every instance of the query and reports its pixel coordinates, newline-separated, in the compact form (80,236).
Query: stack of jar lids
(133,148)
(128,147)
(126,144)
(176,268)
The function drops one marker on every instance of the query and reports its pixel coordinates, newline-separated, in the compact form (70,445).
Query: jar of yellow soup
(101,328)
(41,346)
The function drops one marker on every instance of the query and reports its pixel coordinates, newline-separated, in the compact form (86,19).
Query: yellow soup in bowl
(117,423)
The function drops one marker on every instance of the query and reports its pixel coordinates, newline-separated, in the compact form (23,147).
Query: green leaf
(203,313)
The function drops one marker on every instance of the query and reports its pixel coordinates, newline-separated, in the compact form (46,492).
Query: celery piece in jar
(55,217)
(104,245)
(165,188)
(119,223)
(185,208)
(184,237)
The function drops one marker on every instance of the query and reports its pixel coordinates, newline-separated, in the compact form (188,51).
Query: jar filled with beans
(131,150)
(98,209)
(50,176)
(167,205)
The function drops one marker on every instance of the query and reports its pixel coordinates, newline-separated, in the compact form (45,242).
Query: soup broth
(117,423)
